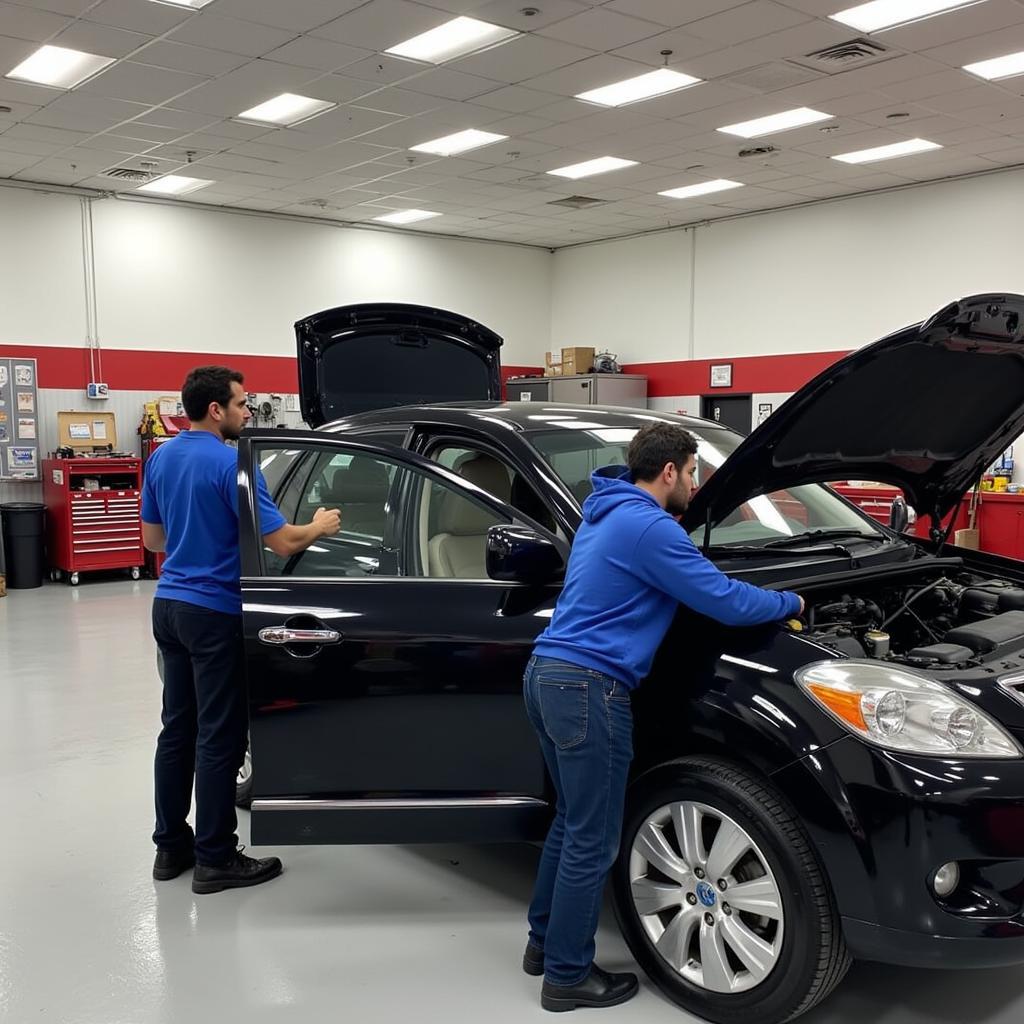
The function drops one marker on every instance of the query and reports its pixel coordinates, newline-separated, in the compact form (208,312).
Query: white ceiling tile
(40,133)
(601,29)
(381,24)
(684,46)
(86,113)
(249,85)
(168,117)
(510,13)
(197,60)
(140,83)
(565,111)
(10,144)
(322,54)
(401,102)
(525,57)
(968,21)
(27,23)
(383,70)
(672,13)
(102,39)
(72,8)
(722,63)
(979,47)
(294,15)
(231,34)
(12,53)
(801,40)
(153,19)
(750,21)
(516,100)
(586,74)
(453,85)
(519,124)
(345,123)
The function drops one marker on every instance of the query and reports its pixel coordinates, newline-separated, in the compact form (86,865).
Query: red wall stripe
(135,370)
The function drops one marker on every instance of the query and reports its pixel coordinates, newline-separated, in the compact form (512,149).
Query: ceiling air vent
(757,151)
(320,204)
(127,174)
(856,53)
(578,202)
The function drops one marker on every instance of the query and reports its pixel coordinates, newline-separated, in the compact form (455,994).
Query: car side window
(497,477)
(395,521)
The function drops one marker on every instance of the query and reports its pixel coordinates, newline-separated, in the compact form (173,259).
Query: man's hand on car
(329,520)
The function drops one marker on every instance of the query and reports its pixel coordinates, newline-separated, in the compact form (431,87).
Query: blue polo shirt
(191,489)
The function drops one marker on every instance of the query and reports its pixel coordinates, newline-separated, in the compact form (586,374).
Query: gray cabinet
(625,389)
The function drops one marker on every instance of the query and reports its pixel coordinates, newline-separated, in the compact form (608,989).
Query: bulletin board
(19,420)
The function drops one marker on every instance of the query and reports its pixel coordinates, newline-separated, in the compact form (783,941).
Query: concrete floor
(368,934)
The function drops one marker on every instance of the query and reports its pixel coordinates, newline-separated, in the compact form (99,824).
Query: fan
(606,362)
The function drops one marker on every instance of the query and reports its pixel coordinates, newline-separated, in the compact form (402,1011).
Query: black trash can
(24,532)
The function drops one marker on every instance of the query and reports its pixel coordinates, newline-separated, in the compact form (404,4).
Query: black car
(849,785)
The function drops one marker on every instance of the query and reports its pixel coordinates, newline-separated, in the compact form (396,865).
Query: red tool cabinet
(91,528)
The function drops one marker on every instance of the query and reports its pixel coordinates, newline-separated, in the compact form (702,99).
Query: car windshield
(575,448)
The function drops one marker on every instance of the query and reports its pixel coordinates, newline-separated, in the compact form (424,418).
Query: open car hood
(380,354)
(926,409)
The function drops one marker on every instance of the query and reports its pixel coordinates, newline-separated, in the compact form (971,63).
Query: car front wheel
(721,898)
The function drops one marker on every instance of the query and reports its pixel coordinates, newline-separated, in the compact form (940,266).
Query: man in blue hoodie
(630,568)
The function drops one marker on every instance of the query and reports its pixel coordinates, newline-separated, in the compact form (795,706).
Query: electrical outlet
(96,390)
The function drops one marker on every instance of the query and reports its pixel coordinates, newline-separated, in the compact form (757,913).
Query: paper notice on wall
(26,401)
(22,458)
(99,430)
(3,376)
(291,403)
(169,406)
(23,376)
(79,432)
(58,477)
(26,429)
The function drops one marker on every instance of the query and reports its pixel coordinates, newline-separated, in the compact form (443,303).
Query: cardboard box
(553,370)
(577,360)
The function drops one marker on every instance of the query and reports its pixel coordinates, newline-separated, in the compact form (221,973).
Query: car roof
(521,416)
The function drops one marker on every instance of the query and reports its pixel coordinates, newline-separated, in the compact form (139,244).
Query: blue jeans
(585,724)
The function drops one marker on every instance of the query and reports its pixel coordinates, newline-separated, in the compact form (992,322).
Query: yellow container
(1000,483)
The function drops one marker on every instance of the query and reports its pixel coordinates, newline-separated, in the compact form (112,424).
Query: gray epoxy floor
(369,934)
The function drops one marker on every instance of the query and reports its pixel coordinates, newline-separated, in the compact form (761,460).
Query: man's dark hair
(206,384)
(656,445)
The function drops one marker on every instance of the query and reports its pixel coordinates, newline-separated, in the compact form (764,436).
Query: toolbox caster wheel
(54,575)
(136,573)
(73,579)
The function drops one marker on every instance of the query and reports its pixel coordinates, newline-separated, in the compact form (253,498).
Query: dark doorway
(734,411)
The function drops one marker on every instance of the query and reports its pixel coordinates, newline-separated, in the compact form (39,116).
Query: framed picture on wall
(721,375)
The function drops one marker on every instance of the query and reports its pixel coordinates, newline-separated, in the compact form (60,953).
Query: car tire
(243,781)
(798,956)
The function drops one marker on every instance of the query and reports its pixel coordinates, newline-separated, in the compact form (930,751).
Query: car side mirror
(517,554)
(899,515)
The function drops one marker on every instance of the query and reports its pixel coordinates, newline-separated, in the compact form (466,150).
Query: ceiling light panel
(702,188)
(906,148)
(59,67)
(174,185)
(460,142)
(1007,66)
(286,109)
(882,14)
(774,123)
(455,38)
(641,87)
(601,165)
(406,216)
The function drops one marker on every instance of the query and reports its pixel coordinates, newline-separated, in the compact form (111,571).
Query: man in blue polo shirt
(190,510)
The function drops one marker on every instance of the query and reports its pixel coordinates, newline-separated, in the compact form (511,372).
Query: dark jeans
(585,724)
(204,728)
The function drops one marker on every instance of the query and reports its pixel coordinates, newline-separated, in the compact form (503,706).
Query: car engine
(951,620)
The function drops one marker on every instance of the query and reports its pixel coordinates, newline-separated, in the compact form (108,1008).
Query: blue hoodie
(631,566)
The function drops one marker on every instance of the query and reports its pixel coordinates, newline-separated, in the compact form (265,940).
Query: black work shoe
(237,873)
(533,961)
(171,863)
(599,988)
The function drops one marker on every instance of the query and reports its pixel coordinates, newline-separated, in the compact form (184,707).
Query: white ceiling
(181,76)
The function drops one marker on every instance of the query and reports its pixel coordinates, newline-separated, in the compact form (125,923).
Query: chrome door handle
(282,635)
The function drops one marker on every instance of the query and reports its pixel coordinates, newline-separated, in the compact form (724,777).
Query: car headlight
(902,710)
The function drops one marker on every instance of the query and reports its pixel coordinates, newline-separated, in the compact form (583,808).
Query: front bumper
(884,822)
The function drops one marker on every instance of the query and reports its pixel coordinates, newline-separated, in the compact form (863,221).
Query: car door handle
(285,635)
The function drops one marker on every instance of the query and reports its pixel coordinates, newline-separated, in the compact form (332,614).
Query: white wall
(42,291)
(828,277)
(632,297)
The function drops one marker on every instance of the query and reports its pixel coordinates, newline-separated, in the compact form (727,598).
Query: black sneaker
(171,863)
(240,871)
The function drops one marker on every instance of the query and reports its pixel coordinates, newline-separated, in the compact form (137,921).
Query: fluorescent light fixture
(998,67)
(599,166)
(460,142)
(174,185)
(701,189)
(194,4)
(59,67)
(642,87)
(406,216)
(453,39)
(783,122)
(905,148)
(881,14)
(286,109)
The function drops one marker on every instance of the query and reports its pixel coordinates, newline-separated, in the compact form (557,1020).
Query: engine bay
(947,619)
